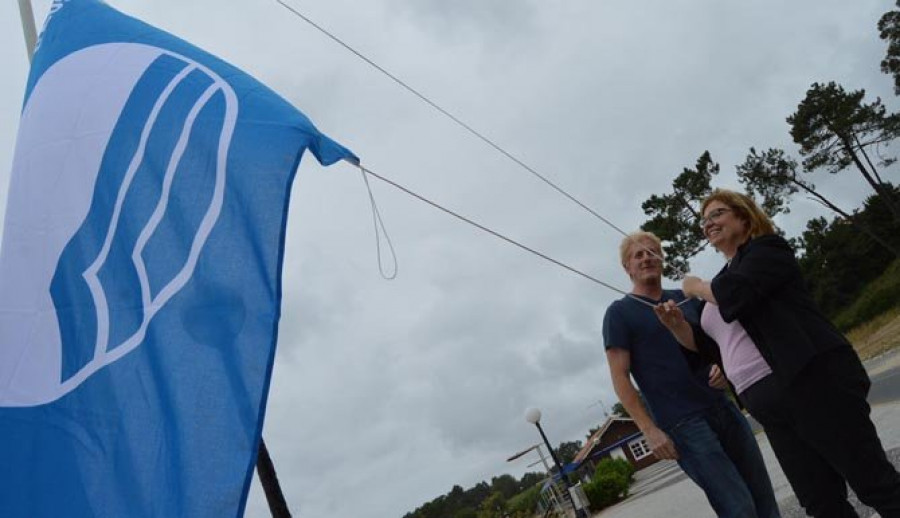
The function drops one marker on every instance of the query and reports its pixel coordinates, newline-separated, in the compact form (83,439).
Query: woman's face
(723,228)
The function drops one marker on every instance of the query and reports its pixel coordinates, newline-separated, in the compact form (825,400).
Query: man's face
(644,261)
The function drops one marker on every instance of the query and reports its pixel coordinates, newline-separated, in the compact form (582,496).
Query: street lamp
(555,498)
(533,416)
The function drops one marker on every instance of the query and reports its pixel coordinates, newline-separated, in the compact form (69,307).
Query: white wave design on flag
(50,195)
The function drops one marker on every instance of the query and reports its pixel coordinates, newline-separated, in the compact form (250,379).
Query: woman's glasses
(713,216)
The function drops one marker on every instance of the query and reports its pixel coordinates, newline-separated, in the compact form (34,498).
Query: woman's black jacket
(762,288)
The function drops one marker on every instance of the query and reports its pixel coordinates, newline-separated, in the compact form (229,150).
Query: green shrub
(606,489)
(465,512)
(525,502)
(877,297)
(493,506)
(616,466)
(610,482)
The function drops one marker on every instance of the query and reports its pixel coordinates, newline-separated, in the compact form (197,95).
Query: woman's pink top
(743,364)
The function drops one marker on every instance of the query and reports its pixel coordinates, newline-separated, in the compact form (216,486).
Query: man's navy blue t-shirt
(673,380)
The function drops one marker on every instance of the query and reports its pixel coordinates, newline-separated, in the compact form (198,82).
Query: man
(687,417)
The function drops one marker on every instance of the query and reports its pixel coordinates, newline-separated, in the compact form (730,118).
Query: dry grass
(876,336)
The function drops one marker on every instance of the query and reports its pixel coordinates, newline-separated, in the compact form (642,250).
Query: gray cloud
(386,394)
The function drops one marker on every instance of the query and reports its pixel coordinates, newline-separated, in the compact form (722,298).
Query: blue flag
(140,273)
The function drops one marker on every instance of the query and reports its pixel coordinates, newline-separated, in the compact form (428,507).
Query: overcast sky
(387,393)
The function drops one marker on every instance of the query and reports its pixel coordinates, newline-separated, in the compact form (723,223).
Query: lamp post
(533,416)
(555,498)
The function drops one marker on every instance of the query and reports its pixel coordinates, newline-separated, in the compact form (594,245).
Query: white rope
(378,222)
(465,126)
(496,234)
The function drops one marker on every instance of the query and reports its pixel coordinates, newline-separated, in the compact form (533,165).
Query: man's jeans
(719,453)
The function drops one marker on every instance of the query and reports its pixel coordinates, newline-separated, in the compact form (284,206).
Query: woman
(795,373)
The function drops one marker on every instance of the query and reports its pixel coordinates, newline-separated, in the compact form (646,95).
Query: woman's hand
(694,287)
(717,378)
(669,314)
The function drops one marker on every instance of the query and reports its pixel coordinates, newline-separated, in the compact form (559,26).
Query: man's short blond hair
(635,238)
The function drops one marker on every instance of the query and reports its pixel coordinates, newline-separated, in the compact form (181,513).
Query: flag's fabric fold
(140,273)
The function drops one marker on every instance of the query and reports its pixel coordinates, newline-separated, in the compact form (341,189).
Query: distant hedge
(523,504)
(879,296)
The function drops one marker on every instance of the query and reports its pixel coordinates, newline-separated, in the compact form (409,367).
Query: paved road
(885,387)
(663,490)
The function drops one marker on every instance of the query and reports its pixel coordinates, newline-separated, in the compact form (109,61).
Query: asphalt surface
(663,490)
(885,387)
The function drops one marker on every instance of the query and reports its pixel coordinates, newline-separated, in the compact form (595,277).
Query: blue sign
(140,273)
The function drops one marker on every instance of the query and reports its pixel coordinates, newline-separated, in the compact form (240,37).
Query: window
(639,449)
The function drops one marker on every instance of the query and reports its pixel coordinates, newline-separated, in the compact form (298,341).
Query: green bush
(606,489)
(525,502)
(877,297)
(616,466)
(610,483)
(493,506)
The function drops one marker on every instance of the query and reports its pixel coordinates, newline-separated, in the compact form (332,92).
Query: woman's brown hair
(744,208)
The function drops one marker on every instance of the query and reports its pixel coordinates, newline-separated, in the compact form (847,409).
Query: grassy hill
(872,322)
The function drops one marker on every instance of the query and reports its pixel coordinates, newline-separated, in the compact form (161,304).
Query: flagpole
(269,482)
(28,27)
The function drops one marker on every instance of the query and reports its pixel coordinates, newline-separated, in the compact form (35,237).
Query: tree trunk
(879,188)
(868,161)
(849,217)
